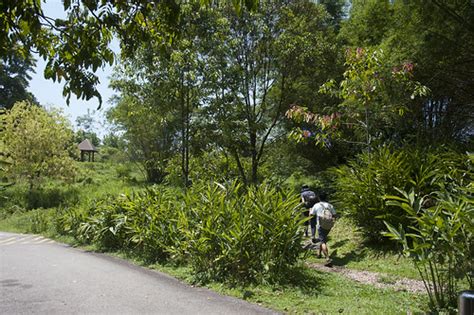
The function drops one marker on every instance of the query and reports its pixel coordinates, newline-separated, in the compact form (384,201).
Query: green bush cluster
(50,195)
(361,185)
(440,241)
(224,232)
(424,197)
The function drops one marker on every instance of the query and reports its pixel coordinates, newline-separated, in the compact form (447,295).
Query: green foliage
(207,166)
(77,45)
(149,135)
(36,144)
(375,95)
(360,186)
(260,63)
(3,179)
(437,37)
(112,155)
(369,22)
(14,79)
(223,84)
(245,236)
(123,171)
(87,125)
(440,240)
(52,196)
(223,232)
(49,195)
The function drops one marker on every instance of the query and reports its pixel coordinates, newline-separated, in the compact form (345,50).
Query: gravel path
(378,280)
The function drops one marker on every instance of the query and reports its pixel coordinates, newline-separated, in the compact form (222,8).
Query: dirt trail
(378,280)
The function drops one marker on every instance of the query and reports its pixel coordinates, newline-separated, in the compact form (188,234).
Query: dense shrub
(224,232)
(245,235)
(52,194)
(68,220)
(360,186)
(123,171)
(440,242)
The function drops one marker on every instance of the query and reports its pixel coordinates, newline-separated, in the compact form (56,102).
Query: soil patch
(378,280)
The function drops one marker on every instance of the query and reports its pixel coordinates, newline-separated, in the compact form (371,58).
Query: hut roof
(86,145)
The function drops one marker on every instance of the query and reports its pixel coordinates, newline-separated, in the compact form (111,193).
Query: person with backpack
(326,216)
(308,199)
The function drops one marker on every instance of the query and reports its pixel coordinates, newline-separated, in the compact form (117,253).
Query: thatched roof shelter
(87,147)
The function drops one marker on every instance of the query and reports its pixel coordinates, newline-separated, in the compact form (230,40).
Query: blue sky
(49,93)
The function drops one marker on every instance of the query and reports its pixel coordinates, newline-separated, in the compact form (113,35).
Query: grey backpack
(326,219)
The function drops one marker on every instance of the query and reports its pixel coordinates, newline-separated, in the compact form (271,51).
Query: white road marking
(7,240)
(26,240)
(42,241)
(12,242)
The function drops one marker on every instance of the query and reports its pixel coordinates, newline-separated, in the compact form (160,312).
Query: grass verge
(347,248)
(315,292)
(308,292)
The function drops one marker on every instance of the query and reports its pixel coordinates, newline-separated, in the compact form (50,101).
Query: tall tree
(369,22)
(14,77)
(261,62)
(149,134)
(166,80)
(436,36)
(226,83)
(374,94)
(86,124)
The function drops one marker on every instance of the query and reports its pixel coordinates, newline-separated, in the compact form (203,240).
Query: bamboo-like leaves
(222,231)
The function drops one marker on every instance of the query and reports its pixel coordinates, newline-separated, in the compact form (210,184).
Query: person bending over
(325,215)
(308,199)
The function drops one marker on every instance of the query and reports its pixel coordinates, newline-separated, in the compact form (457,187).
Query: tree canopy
(226,82)
(437,37)
(14,80)
(36,144)
(76,46)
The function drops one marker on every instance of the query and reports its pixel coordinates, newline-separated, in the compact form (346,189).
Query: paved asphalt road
(40,276)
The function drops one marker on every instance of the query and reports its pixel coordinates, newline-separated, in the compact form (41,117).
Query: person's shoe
(314,240)
(328,262)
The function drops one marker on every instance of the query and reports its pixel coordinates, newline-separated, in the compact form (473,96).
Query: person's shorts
(323,234)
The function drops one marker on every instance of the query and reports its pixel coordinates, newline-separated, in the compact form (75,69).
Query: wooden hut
(87,147)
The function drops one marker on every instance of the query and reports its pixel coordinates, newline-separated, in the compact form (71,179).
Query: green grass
(314,292)
(15,223)
(308,291)
(348,249)
(92,181)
